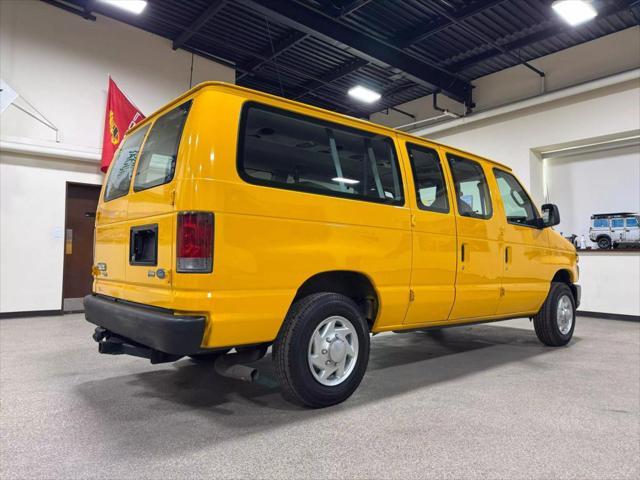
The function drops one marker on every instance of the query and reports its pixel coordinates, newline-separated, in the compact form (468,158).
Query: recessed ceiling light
(133,6)
(574,12)
(364,94)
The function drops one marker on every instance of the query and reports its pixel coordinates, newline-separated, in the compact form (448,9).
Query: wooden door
(81,204)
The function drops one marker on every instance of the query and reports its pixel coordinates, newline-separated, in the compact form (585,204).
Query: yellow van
(234,219)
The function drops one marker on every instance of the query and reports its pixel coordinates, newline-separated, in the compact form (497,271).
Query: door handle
(462,252)
(507,254)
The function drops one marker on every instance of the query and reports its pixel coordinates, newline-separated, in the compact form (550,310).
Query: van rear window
(287,150)
(157,162)
(120,175)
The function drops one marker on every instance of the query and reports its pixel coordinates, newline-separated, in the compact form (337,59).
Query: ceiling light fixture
(132,6)
(574,12)
(364,94)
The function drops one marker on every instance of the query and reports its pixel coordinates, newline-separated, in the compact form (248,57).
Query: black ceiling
(315,50)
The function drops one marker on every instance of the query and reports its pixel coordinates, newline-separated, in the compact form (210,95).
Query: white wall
(32,202)
(510,139)
(596,182)
(610,282)
(60,63)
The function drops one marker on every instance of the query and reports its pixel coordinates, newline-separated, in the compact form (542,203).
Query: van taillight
(195,242)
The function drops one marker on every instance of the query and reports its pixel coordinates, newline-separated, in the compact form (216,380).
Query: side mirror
(550,215)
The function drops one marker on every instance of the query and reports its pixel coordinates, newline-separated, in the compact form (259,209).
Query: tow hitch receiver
(111,344)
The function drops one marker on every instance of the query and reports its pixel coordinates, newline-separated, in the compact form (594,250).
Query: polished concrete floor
(483,401)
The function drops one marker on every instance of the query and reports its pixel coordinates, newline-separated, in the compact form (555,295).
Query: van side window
(431,191)
(518,207)
(286,150)
(158,159)
(617,223)
(472,191)
(632,222)
(120,175)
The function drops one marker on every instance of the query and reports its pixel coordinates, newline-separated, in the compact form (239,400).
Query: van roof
(243,90)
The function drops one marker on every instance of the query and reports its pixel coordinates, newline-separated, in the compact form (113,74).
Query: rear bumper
(155,328)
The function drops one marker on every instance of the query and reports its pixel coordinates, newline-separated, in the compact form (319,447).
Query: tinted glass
(120,175)
(601,223)
(431,191)
(158,160)
(517,205)
(472,191)
(632,222)
(617,223)
(286,150)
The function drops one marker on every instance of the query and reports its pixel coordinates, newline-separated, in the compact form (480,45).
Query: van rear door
(151,218)
(111,229)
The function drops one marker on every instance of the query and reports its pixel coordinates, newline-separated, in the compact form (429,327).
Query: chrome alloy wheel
(564,314)
(333,351)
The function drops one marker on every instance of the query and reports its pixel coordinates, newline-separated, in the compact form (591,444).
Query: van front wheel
(322,350)
(556,320)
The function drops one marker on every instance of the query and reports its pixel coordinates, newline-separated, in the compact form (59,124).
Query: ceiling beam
(295,37)
(557,27)
(76,11)
(198,23)
(421,32)
(268,54)
(365,47)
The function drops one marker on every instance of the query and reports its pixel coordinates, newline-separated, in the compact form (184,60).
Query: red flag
(120,116)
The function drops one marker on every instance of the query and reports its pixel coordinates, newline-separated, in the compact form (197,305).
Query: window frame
(144,144)
(451,155)
(321,123)
(423,148)
(134,170)
(538,218)
(626,222)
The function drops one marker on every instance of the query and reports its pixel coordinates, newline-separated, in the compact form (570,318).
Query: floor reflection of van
(615,230)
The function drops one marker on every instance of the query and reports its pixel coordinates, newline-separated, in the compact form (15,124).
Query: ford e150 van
(234,219)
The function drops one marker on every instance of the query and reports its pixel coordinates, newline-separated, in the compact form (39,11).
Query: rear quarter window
(287,150)
(157,162)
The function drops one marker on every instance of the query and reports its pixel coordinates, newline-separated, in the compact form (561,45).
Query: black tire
(604,243)
(290,350)
(546,322)
(208,357)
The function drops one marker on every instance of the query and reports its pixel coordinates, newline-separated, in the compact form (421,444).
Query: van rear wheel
(556,320)
(322,350)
